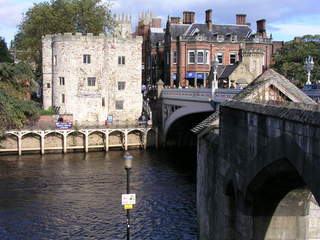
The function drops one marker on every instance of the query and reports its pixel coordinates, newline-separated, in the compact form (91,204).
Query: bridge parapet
(199,94)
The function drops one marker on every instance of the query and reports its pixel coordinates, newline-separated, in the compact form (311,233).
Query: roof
(242,31)
(178,29)
(272,78)
(156,37)
(269,78)
(223,72)
(227,71)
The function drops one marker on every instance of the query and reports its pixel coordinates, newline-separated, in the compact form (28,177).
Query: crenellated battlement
(88,37)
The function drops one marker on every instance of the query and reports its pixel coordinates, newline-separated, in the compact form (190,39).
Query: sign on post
(128,199)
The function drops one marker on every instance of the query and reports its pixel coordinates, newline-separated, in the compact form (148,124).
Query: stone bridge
(258,165)
(259,174)
(179,103)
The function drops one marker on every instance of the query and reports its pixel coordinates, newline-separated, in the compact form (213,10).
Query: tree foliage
(16,82)
(291,59)
(4,52)
(59,16)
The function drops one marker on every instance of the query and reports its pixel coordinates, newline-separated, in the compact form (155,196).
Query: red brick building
(149,27)
(189,47)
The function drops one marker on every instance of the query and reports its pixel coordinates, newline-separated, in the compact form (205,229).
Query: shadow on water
(78,196)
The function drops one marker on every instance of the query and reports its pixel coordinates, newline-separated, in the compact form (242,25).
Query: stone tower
(93,77)
(123,28)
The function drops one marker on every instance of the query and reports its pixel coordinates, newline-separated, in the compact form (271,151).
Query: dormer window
(220,38)
(234,38)
(195,32)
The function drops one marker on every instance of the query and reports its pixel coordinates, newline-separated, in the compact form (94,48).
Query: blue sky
(285,18)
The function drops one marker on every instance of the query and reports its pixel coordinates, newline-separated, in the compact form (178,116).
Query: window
(61,80)
(175,57)
(234,38)
(55,60)
(200,59)
(119,105)
(121,85)
(63,98)
(121,60)
(86,58)
(91,81)
(103,102)
(220,38)
(220,58)
(207,57)
(192,57)
(48,85)
(233,58)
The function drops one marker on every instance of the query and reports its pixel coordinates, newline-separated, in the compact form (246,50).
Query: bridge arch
(184,111)
(277,180)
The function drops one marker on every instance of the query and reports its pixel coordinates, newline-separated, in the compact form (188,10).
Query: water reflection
(78,196)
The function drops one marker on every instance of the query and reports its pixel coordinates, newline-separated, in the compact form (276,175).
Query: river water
(78,196)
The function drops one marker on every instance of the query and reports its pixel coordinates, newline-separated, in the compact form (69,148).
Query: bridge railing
(199,94)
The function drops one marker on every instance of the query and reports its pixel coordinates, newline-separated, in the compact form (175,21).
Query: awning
(190,75)
(200,76)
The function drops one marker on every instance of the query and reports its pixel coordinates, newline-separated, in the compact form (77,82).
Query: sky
(285,18)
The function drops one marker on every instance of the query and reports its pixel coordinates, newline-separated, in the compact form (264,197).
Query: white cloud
(295,29)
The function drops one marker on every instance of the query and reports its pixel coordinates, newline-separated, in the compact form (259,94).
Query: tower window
(121,60)
(91,81)
(86,58)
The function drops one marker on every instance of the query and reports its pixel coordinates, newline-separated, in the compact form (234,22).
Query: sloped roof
(178,29)
(271,77)
(156,37)
(268,78)
(223,72)
(242,31)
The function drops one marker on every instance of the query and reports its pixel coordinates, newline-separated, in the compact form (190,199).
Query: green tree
(59,16)
(16,83)
(4,52)
(291,58)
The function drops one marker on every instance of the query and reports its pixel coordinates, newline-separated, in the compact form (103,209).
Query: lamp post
(127,166)
(214,84)
(308,64)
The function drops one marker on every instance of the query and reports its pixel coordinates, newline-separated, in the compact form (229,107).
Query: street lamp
(214,84)
(127,166)
(308,64)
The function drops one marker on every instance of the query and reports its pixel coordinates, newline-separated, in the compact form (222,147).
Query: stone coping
(300,112)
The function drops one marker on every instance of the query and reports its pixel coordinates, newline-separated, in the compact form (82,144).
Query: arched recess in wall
(135,138)
(96,139)
(31,141)
(75,140)
(116,139)
(10,141)
(151,138)
(53,140)
(277,196)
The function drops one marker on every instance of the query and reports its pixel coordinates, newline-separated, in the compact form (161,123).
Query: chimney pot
(241,19)
(261,27)
(188,17)
(209,19)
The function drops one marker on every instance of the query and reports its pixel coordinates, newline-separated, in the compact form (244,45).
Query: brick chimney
(175,20)
(209,19)
(261,27)
(156,23)
(188,17)
(241,19)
